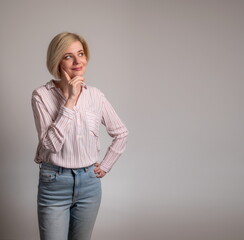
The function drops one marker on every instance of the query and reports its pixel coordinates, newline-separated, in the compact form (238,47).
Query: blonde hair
(57,48)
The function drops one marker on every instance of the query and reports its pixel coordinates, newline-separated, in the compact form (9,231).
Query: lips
(77,69)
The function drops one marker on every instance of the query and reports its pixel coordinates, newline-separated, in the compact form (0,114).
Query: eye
(67,57)
(81,54)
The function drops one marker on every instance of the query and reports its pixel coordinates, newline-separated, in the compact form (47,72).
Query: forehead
(74,47)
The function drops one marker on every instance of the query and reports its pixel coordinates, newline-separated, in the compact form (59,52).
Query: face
(74,60)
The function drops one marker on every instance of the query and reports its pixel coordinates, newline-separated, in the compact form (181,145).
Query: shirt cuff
(69,113)
(104,168)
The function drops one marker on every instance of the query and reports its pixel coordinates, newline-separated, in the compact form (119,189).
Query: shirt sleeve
(117,130)
(51,133)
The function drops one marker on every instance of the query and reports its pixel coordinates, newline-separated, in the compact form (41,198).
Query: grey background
(173,70)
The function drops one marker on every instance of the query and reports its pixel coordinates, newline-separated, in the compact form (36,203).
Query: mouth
(77,69)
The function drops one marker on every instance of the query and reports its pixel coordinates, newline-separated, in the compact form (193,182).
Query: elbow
(124,134)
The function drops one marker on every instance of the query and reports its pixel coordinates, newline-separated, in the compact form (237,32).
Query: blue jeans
(68,202)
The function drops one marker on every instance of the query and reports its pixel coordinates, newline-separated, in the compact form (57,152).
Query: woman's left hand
(98,171)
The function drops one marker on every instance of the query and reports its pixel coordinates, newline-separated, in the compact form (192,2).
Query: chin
(78,73)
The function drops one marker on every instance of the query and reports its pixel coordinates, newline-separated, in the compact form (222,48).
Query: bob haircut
(57,48)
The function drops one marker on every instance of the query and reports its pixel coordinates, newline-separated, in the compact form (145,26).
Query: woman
(67,117)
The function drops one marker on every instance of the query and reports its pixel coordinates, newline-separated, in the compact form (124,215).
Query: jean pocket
(93,123)
(47,176)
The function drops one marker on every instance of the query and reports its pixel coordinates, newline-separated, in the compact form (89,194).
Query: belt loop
(60,170)
(40,165)
(86,169)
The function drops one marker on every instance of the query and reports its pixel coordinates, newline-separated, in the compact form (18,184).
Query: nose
(77,60)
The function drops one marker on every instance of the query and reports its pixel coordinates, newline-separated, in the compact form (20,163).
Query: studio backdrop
(173,70)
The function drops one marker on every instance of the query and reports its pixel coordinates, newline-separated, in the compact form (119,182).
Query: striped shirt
(70,137)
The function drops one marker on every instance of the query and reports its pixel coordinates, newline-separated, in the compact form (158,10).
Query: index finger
(65,74)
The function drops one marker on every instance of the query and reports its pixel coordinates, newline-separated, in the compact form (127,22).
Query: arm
(51,133)
(117,130)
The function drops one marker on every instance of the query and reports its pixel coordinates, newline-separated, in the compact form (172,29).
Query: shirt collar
(49,85)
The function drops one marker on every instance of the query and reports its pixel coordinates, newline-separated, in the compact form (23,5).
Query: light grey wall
(174,72)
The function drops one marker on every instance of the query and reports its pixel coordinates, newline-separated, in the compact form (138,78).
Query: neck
(62,84)
(64,87)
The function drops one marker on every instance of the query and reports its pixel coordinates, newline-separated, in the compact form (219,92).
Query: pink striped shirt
(70,138)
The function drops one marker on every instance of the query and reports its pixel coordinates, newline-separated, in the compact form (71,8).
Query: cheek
(84,61)
(64,65)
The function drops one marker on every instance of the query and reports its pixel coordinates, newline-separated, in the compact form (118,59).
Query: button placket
(78,118)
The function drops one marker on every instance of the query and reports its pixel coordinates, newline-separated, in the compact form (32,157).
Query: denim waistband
(63,169)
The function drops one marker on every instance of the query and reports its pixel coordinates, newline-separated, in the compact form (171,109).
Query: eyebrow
(77,51)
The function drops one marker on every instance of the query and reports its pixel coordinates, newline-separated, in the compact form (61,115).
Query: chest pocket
(93,123)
